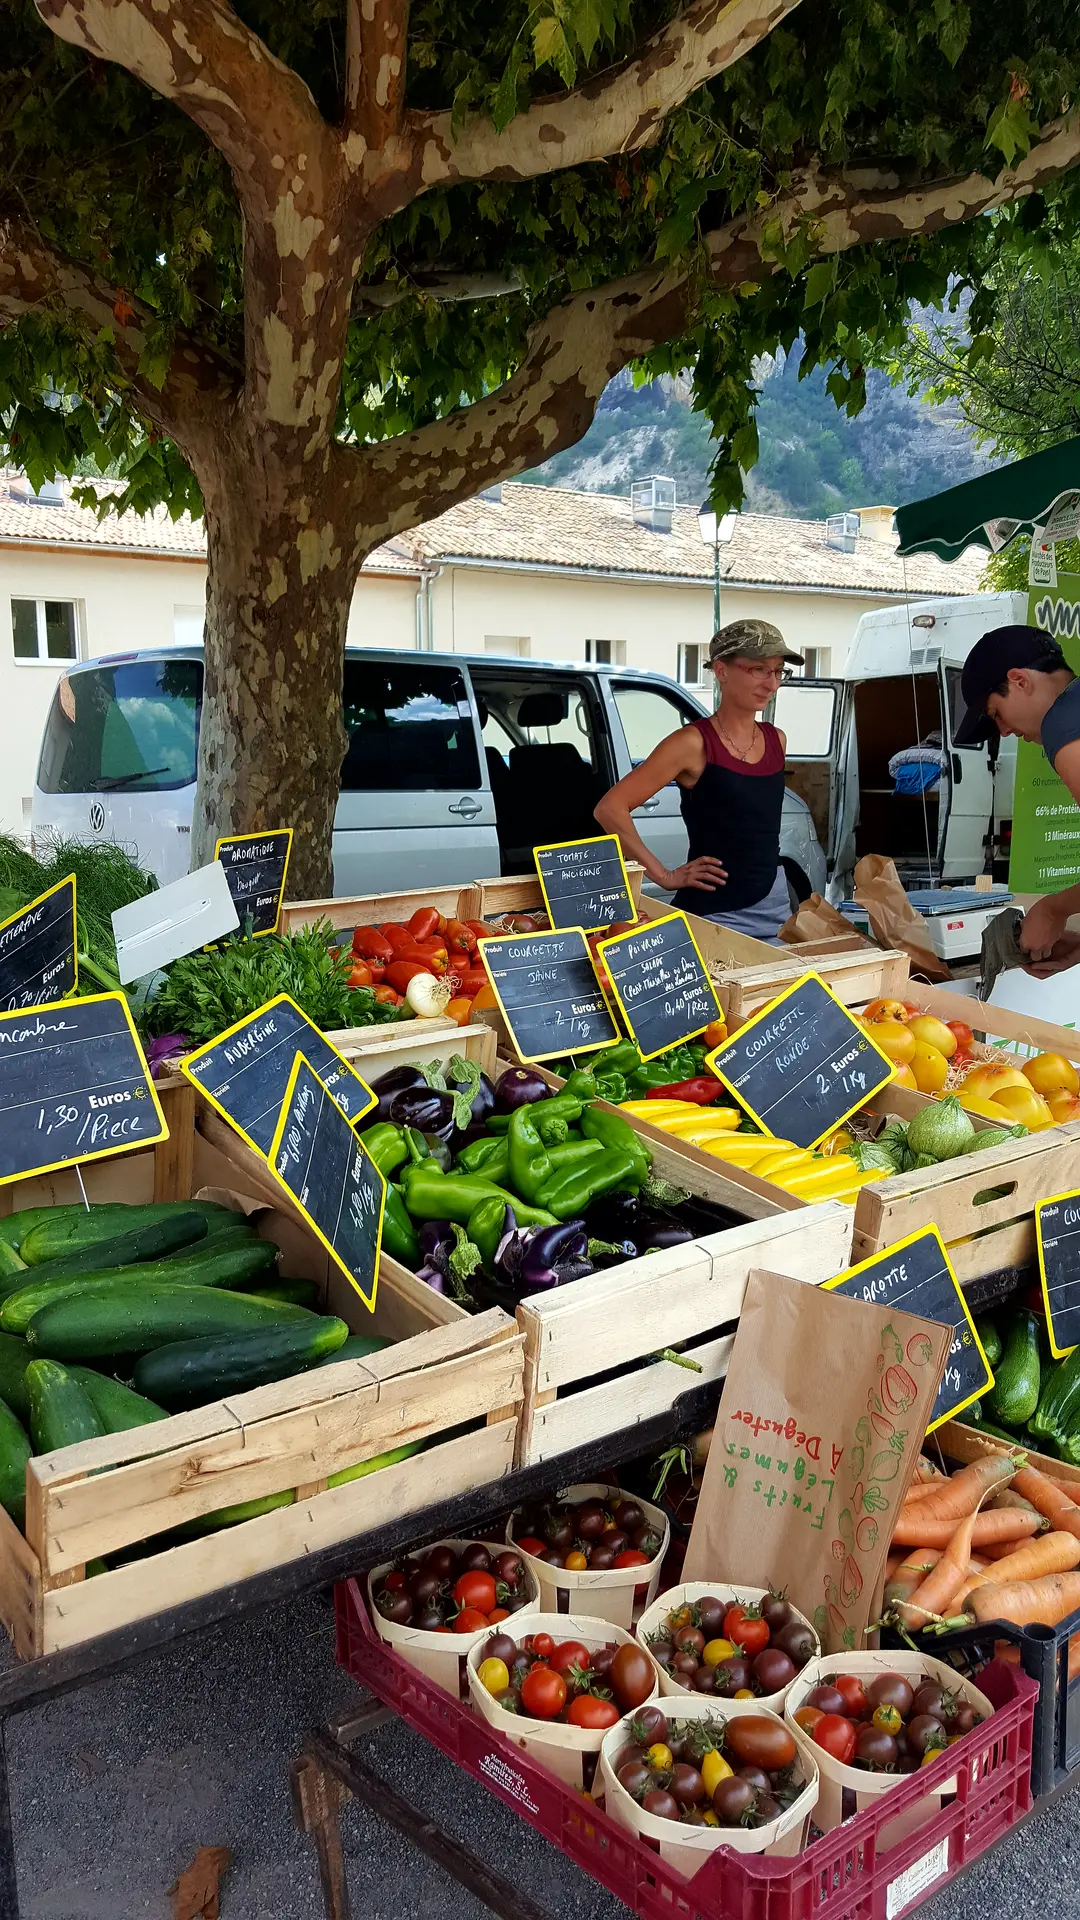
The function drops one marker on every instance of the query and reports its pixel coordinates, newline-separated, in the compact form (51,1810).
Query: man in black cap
(1017,680)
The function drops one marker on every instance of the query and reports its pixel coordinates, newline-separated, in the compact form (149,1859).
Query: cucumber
(991,1340)
(14,1227)
(200,1270)
(1059,1400)
(232,1516)
(15,1451)
(290,1293)
(116,1406)
(68,1230)
(221,1242)
(188,1373)
(372,1466)
(61,1411)
(14,1360)
(356,1347)
(117,1317)
(158,1241)
(10,1263)
(1015,1393)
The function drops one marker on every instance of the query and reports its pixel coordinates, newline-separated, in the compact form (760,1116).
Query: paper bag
(825,1406)
(893,920)
(815,919)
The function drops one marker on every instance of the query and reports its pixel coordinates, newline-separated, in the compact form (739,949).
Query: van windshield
(130,728)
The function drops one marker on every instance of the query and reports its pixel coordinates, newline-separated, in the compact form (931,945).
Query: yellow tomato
(885,1010)
(987,1109)
(987,1079)
(1023,1104)
(1063,1105)
(714,1768)
(930,1067)
(839,1142)
(893,1038)
(903,1077)
(935,1033)
(493,1675)
(1052,1073)
(658,1757)
(717,1650)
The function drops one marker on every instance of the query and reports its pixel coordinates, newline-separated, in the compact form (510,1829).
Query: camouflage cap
(751,640)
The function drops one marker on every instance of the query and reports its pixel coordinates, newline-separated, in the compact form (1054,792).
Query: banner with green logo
(1045,852)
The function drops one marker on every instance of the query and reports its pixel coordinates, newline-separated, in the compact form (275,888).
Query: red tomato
(631,1558)
(569,1653)
(360,974)
(393,1581)
(475,1590)
(588,1711)
(853,1692)
(387,997)
(497,1614)
(745,1627)
(530,1544)
(836,1736)
(470,1620)
(541,1644)
(543,1692)
(962,1034)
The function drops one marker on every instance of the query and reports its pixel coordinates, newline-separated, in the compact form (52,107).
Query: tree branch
(376,41)
(614,112)
(198,385)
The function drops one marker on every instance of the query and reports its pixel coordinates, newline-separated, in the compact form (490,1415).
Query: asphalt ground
(116,1786)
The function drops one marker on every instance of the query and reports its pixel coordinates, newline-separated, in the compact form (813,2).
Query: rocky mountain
(813,460)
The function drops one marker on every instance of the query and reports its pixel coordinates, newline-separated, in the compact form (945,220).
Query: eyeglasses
(775,675)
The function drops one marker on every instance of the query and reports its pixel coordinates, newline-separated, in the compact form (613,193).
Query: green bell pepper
(611,1087)
(616,1133)
(571,1153)
(580,1084)
(623,1057)
(530,1163)
(387,1146)
(398,1233)
(568,1192)
(431,1194)
(486,1228)
(490,1157)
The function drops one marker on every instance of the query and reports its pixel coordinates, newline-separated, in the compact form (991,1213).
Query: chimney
(842,531)
(652,504)
(876,523)
(49,494)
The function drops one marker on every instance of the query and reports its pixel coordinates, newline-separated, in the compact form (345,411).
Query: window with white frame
(45,629)
(818,662)
(692,658)
(605,653)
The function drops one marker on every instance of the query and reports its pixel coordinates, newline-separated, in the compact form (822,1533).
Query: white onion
(427,996)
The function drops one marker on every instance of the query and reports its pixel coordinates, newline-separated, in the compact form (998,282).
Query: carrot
(1048,1497)
(1007,1497)
(998,1549)
(953,1499)
(945,1580)
(1054,1553)
(927,1471)
(1003,1524)
(910,1574)
(1044,1602)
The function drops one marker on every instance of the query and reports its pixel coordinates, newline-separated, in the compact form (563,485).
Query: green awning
(992,510)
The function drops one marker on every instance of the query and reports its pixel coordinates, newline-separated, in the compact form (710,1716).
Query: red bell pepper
(425,921)
(702,1091)
(370,944)
(400,972)
(471,982)
(457,934)
(481,929)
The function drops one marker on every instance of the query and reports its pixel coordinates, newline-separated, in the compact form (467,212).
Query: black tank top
(733,813)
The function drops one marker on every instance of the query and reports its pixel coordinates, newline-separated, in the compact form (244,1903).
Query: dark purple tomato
(797,1641)
(442,1561)
(636,1777)
(521,1666)
(767,1808)
(907,1763)
(649,1726)
(875,1749)
(661,1804)
(647,1540)
(661,1649)
(964,1718)
(601,1556)
(689,1640)
(616,1540)
(710,1615)
(676,1743)
(501,1647)
(773,1670)
(929,1698)
(891,1690)
(826,1699)
(591,1520)
(687,1785)
(552,1557)
(732,1799)
(424,1586)
(515,1601)
(628,1516)
(508,1568)
(428,1619)
(757,1777)
(475,1558)
(559,1533)
(396,1607)
(732,1676)
(775,1611)
(704,1680)
(685,1663)
(924,1732)
(600,1661)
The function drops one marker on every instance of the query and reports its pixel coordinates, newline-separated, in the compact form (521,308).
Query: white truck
(902,689)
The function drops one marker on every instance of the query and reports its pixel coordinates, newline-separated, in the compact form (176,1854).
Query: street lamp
(715,533)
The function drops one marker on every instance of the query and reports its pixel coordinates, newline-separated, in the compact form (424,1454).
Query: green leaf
(819,283)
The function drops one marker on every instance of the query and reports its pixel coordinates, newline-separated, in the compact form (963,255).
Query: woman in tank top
(730,767)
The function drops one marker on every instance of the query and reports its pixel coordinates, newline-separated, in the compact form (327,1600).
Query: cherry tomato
(493,1675)
(395,1580)
(543,1692)
(588,1711)
(746,1626)
(836,1736)
(541,1644)
(631,1558)
(475,1590)
(576,1562)
(569,1653)
(470,1620)
(808,1717)
(757,1740)
(887,1720)
(530,1544)
(497,1614)
(633,1676)
(854,1694)
(962,1034)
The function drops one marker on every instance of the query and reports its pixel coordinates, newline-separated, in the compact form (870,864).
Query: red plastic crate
(843,1876)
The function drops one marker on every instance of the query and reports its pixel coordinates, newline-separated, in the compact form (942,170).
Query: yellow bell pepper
(839,1142)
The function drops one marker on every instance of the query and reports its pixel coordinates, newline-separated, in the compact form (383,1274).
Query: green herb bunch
(207,992)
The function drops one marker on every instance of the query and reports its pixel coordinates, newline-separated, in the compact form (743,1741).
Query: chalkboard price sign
(256,865)
(915,1277)
(802,1065)
(661,983)
(334,1181)
(1057,1226)
(244,1073)
(74,1085)
(585,883)
(37,950)
(548,992)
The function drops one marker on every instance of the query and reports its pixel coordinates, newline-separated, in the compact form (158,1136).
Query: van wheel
(798,884)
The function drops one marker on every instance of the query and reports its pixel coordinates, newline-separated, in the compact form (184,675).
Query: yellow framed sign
(548,993)
(1057,1235)
(74,1085)
(244,1072)
(585,882)
(661,983)
(39,959)
(256,867)
(332,1178)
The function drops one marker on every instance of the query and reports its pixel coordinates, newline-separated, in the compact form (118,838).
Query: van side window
(132,728)
(648,716)
(410,728)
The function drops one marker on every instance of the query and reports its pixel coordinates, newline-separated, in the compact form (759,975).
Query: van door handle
(650,806)
(466,809)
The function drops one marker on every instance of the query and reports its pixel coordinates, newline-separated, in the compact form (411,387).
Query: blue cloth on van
(916,776)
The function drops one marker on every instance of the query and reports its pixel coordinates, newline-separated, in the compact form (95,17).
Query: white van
(455,768)
(902,688)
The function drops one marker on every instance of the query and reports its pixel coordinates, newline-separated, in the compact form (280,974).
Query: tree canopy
(354,260)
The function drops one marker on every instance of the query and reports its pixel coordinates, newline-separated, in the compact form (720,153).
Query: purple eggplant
(483,1098)
(613,1217)
(519,1087)
(436,1239)
(555,1255)
(389,1085)
(424,1108)
(656,1229)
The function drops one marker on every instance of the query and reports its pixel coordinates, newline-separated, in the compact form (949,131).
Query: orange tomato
(460,1010)
(1051,1073)
(386,997)
(962,1034)
(1063,1105)
(903,1077)
(885,1010)
(359,974)
(934,1033)
(930,1067)
(894,1038)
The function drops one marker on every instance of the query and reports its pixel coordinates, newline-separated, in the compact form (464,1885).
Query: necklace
(732,749)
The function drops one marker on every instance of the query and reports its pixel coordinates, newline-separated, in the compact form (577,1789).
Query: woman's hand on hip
(704,873)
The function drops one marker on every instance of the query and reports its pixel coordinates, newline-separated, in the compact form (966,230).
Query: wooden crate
(687,1297)
(85,1502)
(375,1050)
(162,1172)
(521,893)
(372,909)
(965,1444)
(869,973)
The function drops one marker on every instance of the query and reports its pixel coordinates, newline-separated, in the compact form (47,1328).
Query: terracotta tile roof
(555,527)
